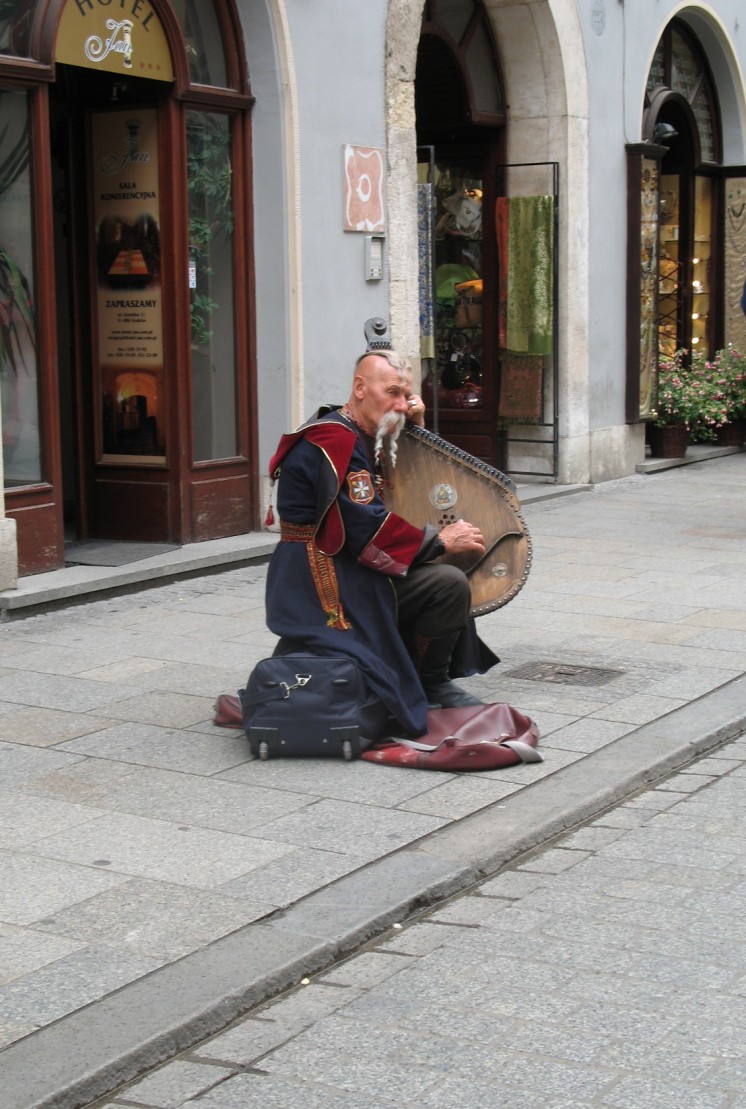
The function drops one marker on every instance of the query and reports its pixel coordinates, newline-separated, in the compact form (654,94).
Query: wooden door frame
(37,508)
(205,499)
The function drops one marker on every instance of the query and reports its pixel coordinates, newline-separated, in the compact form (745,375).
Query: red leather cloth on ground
(475,737)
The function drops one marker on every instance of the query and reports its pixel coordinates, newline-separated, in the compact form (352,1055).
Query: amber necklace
(345,411)
(378,474)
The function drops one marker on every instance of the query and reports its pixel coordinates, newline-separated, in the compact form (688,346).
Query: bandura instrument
(436,483)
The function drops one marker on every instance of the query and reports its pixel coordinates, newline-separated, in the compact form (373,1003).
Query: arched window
(457,74)
(679,68)
(681,114)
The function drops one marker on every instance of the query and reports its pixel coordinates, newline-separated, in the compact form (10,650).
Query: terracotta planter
(731,435)
(670,441)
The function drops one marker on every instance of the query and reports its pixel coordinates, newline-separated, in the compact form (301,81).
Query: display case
(685,268)
(702,263)
(670,269)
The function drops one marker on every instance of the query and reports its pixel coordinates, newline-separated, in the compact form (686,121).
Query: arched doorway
(460,121)
(135,239)
(490,348)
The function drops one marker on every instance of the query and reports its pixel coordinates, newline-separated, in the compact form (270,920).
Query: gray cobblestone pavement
(608,970)
(155,883)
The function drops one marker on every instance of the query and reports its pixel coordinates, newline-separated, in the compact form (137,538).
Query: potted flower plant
(675,408)
(731,368)
(697,398)
(709,397)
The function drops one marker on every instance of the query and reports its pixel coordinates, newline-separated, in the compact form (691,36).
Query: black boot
(432,659)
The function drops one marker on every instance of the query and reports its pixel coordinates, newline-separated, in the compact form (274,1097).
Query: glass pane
(15,18)
(701,261)
(129,299)
(649,205)
(458,286)
(454,16)
(702,108)
(669,281)
(481,62)
(686,70)
(657,74)
(735,272)
(18,378)
(204,43)
(211,285)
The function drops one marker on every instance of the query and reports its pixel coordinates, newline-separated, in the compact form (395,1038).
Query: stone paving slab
(603,1007)
(238,878)
(253,962)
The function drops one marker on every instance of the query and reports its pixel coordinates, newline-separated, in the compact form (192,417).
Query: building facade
(203,201)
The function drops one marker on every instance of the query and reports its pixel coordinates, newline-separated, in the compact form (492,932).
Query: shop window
(15,19)
(671,185)
(651,297)
(209,175)
(203,41)
(701,262)
(734,259)
(458,285)
(18,369)
(670,286)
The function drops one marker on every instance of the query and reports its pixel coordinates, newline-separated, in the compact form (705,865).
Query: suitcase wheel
(347,750)
(263,751)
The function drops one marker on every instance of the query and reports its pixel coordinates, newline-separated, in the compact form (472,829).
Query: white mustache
(390,425)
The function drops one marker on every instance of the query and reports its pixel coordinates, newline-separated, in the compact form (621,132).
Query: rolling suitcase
(306,706)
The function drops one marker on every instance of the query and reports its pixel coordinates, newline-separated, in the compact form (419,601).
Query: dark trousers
(433,600)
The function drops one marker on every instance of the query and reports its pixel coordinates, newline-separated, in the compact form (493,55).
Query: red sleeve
(393,548)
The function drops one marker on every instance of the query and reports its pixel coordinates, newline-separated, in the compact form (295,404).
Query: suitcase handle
(300,681)
(277,691)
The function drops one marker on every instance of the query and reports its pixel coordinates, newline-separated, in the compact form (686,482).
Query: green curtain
(526,247)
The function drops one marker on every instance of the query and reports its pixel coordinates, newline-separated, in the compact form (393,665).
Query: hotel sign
(119,36)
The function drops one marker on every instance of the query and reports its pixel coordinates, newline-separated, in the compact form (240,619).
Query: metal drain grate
(564,673)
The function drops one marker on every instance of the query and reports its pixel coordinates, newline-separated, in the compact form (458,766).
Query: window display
(211,284)
(684,267)
(669,268)
(701,260)
(458,287)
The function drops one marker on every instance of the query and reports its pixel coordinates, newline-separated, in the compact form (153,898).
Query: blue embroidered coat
(329,589)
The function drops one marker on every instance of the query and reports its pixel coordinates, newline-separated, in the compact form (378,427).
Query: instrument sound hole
(447,518)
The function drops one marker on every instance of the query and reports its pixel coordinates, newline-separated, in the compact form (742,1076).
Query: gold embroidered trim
(322,571)
(296,533)
(325,579)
